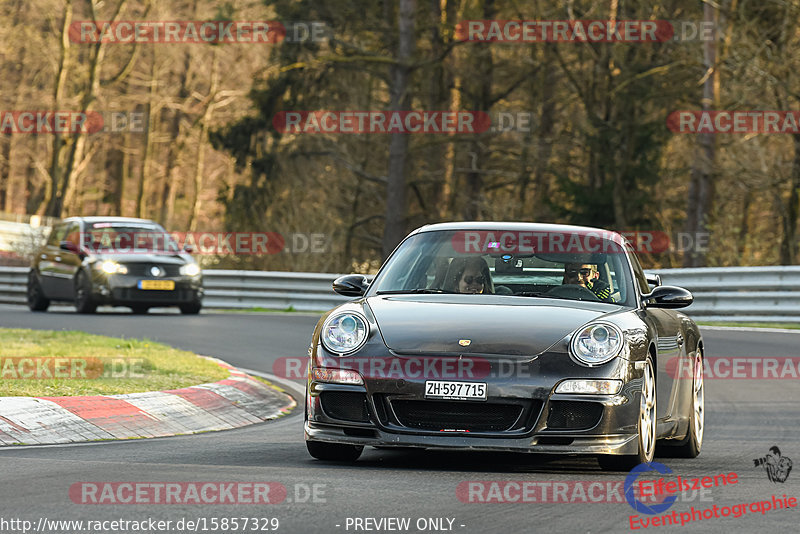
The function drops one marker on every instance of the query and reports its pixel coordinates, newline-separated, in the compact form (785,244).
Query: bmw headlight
(112,267)
(190,269)
(597,343)
(344,332)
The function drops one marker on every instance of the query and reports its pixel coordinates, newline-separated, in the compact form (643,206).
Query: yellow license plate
(163,285)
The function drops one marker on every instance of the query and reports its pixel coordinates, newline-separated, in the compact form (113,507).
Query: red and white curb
(237,401)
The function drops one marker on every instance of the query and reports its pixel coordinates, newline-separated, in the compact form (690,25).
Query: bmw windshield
(574,266)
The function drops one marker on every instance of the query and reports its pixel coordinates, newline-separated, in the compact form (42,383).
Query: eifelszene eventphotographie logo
(778,467)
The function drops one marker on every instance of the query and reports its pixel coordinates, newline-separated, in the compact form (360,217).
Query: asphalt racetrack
(389,491)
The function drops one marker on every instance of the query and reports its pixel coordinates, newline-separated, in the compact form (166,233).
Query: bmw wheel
(36,298)
(83,294)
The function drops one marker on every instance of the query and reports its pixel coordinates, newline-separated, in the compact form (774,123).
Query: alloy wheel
(647,412)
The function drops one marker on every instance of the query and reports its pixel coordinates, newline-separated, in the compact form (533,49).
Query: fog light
(337,376)
(590,387)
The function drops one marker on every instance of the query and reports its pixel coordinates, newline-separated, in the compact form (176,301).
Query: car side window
(638,272)
(57,235)
(73,234)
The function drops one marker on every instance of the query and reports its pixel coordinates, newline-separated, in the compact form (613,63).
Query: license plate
(445,389)
(163,285)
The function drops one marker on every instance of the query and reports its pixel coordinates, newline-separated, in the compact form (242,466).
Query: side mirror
(69,246)
(668,297)
(188,249)
(351,285)
(653,279)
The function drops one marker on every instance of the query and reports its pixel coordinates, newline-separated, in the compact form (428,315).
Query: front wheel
(334,452)
(36,298)
(646,427)
(690,446)
(83,294)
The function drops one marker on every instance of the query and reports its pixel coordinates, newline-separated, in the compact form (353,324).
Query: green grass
(69,363)
(793,326)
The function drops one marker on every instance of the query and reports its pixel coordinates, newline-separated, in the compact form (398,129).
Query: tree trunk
(481,102)
(789,241)
(395,221)
(54,200)
(141,207)
(701,185)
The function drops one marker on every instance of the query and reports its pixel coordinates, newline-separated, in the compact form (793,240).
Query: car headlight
(112,267)
(344,333)
(190,269)
(597,343)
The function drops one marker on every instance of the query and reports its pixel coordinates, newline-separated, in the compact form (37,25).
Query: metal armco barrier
(764,294)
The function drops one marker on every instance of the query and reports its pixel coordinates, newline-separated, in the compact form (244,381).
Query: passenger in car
(468,275)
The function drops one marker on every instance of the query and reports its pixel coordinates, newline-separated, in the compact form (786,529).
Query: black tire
(334,452)
(140,309)
(191,309)
(83,294)
(646,439)
(36,299)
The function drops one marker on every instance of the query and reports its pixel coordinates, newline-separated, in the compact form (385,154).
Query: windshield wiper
(418,291)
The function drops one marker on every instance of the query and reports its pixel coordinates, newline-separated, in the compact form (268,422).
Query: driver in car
(586,275)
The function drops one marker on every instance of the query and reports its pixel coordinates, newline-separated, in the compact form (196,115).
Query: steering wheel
(572,291)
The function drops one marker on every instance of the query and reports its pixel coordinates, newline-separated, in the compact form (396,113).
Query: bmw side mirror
(69,246)
(351,285)
(188,249)
(668,297)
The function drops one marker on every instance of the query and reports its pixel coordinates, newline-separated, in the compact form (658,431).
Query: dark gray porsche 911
(508,337)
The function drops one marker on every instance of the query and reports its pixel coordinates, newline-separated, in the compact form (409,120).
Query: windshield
(128,237)
(516,264)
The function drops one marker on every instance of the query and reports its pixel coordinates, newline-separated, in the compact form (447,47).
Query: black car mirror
(69,246)
(351,285)
(654,279)
(668,297)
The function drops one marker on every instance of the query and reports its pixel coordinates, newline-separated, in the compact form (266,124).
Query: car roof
(499,226)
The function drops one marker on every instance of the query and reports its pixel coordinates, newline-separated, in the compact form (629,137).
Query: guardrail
(763,294)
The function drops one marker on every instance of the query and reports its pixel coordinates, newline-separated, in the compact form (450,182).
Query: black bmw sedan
(115,261)
(508,337)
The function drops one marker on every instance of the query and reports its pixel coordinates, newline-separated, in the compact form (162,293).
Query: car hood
(176,259)
(495,325)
